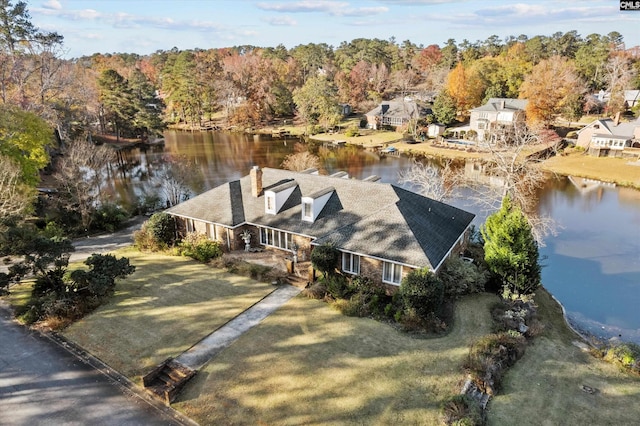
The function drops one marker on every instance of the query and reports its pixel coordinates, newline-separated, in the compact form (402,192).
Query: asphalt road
(41,383)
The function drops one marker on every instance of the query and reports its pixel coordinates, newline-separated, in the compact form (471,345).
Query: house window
(191,227)
(391,273)
(351,263)
(307,211)
(275,238)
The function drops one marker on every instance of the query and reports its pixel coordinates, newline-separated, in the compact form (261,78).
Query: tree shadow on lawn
(154,315)
(307,363)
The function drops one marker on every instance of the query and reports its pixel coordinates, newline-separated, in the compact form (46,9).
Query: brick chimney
(256,181)
(616,119)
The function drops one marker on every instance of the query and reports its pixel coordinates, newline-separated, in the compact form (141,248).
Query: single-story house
(394,113)
(609,136)
(495,113)
(383,231)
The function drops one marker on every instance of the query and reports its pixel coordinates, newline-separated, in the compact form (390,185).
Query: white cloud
(281,21)
(333,8)
(52,4)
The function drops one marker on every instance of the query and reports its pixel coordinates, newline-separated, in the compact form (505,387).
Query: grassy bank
(617,170)
(545,386)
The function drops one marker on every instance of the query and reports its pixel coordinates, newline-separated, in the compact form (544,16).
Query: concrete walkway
(203,351)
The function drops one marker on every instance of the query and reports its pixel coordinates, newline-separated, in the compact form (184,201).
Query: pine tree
(510,250)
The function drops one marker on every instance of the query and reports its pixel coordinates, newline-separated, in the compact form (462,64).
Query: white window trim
(350,267)
(190,225)
(393,266)
(307,205)
(270,203)
(275,238)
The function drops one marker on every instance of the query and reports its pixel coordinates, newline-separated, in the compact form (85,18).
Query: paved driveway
(41,383)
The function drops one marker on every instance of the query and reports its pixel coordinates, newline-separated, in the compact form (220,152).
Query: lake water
(592,266)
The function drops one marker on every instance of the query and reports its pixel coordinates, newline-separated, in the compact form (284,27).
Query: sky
(145,26)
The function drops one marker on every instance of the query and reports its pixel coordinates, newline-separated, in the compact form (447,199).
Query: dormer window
(307,211)
(270,203)
(313,204)
(276,197)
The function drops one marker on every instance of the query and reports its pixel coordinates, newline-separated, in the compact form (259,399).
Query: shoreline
(620,171)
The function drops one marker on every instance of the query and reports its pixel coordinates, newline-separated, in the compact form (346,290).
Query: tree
(100,279)
(174,180)
(444,108)
(24,139)
(433,182)
(15,196)
(317,102)
(79,176)
(300,161)
(618,75)
(45,258)
(422,293)
(325,258)
(550,87)
(511,252)
(465,87)
(117,101)
(512,173)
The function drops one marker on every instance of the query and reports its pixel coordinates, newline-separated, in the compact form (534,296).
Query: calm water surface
(592,266)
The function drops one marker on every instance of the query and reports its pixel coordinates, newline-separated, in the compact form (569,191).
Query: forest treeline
(47,101)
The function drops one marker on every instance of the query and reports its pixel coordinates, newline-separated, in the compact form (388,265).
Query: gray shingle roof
(401,109)
(369,218)
(496,104)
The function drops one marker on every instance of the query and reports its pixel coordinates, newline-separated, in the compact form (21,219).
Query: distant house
(382,231)
(609,137)
(394,113)
(631,98)
(495,113)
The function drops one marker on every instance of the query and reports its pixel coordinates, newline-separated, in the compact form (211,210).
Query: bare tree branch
(512,170)
(436,183)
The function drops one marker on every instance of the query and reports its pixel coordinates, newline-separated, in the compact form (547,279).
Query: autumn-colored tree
(465,87)
(300,161)
(550,88)
(428,58)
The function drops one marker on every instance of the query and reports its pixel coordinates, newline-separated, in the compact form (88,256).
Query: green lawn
(545,386)
(309,364)
(165,307)
(608,169)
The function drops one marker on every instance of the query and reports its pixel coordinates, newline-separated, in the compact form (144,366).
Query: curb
(123,383)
